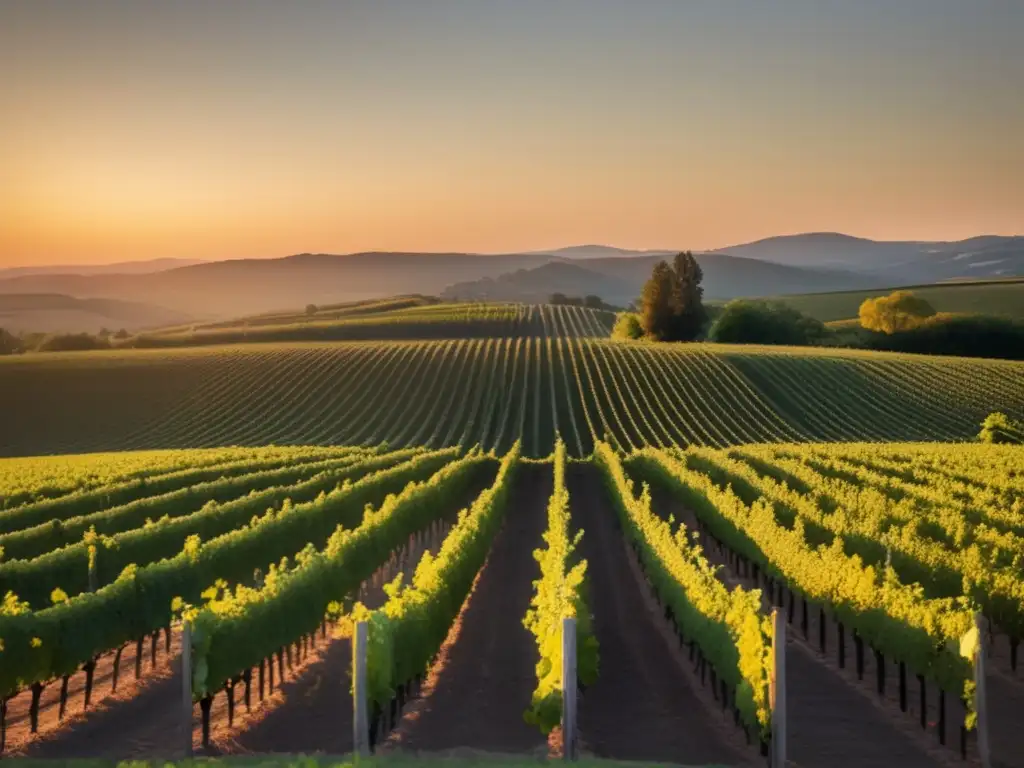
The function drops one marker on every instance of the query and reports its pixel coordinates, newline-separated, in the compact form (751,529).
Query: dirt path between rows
(642,706)
(477,693)
(831,724)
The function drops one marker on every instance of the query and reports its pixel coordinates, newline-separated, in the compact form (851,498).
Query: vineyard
(433,508)
(879,557)
(554,378)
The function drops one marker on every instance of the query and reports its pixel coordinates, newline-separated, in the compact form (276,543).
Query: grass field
(999,297)
(273,493)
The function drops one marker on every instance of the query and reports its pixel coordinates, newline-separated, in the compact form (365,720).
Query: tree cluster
(672,307)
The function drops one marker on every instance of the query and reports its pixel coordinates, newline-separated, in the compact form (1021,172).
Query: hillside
(1003,297)
(493,391)
(55,313)
(619,280)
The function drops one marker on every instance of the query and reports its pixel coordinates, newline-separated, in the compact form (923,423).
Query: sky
(213,129)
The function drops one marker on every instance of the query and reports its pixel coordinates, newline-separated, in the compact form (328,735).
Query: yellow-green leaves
(558,594)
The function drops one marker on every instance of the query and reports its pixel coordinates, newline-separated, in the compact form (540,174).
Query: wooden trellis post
(360,719)
(569,689)
(778,691)
(186,685)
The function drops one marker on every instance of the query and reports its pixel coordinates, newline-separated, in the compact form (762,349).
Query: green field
(998,297)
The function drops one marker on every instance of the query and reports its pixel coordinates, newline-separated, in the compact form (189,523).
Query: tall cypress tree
(688,313)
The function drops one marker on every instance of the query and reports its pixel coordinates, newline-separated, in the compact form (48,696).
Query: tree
(311,309)
(672,306)
(764,322)
(656,303)
(688,312)
(592,301)
(121,335)
(899,311)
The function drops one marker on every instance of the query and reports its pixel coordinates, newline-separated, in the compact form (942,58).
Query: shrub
(998,428)
(899,311)
(627,326)
(743,321)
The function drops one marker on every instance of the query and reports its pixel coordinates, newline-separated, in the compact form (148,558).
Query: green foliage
(68,566)
(139,601)
(895,618)
(406,633)
(672,300)
(239,627)
(627,326)
(899,311)
(727,626)
(743,321)
(559,594)
(999,428)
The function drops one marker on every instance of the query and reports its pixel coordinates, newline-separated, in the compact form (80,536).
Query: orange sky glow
(205,131)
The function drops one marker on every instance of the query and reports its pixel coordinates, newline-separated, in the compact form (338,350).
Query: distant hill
(600,252)
(234,288)
(893,262)
(806,263)
(120,268)
(619,280)
(54,313)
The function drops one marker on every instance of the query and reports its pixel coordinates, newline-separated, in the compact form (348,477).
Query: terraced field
(556,379)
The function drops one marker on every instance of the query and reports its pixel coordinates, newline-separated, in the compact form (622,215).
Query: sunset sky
(252,129)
